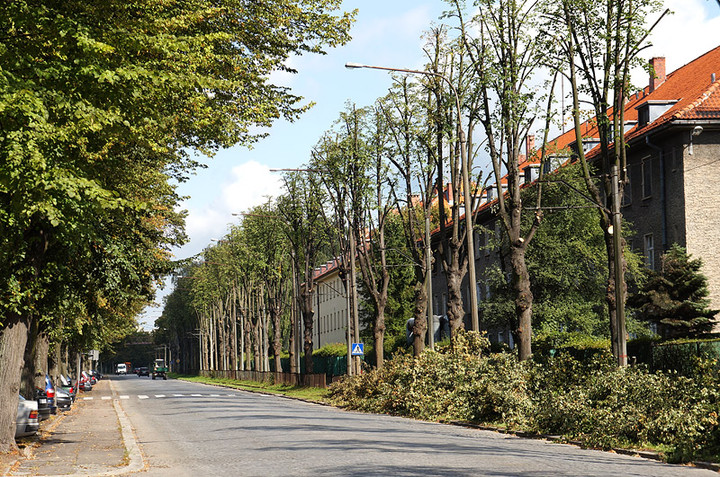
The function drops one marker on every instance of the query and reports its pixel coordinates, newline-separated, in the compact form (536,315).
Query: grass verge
(318,395)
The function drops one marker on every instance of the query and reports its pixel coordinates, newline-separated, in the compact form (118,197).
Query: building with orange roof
(672,130)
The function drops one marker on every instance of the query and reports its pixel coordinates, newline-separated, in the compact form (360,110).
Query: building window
(649,252)
(646,178)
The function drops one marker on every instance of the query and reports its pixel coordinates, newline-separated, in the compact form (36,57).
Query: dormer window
(650,110)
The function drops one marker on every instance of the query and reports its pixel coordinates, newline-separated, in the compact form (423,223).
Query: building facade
(672,130)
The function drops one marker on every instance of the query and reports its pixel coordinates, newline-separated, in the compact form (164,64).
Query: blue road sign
(358,349)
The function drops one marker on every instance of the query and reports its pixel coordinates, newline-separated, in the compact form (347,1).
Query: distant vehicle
(84,382)
(159,369)
(27,421)
(143,371)
(121,369)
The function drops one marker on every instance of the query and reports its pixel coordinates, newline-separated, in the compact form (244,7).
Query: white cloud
(681,36)
(248,185)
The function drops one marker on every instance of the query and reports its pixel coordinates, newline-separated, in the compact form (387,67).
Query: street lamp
(470,242)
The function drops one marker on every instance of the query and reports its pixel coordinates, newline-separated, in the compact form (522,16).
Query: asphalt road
(188,429)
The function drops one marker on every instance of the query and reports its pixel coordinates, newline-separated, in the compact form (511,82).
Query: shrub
(589,399)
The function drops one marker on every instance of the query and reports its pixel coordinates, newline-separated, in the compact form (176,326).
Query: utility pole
(428,284)
(621,341)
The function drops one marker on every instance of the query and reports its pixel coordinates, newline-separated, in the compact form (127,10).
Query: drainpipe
(663,201)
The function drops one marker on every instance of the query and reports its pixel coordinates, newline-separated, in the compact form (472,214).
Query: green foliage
(332,350)
(675,297)
(590,399)
(567,265)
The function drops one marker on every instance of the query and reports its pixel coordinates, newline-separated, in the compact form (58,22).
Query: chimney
(657,72)
(529,145)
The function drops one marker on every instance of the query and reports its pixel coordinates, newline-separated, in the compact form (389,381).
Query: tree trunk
(13,338)
(308,313)
(420,326)
(277,337)
(454,275)
(523,301)
(379,333)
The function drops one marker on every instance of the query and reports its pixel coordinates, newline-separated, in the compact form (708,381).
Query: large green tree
(98,105)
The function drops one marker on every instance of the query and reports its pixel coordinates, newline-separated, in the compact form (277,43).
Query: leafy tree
(566,262)
(675,297)
(98,105)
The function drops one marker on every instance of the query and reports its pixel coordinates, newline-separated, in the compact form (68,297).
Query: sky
(386,33)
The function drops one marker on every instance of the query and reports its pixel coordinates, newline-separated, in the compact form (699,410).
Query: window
(646,178)
(649,252)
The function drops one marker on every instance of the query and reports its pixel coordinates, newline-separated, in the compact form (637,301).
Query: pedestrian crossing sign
(358,349)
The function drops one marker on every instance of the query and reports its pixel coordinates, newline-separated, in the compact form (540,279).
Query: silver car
(27,421)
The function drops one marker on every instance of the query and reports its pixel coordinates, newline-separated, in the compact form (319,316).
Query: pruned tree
(307,231)
(506,53)
(599,43)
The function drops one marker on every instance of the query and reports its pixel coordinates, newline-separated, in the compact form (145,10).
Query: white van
(121,369)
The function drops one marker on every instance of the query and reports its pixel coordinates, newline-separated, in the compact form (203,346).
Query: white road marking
(124,397)
(87,399)
(142,396)
(106,398)
(196,395)
(178,395)
(159,395)
(214,395)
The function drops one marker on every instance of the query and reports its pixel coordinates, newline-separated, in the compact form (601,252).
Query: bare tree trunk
(379,334)
(308,313)
(523,301)
(420,315)
(454,274)
(13,338)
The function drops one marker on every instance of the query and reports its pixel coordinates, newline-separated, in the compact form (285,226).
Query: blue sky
(386,33)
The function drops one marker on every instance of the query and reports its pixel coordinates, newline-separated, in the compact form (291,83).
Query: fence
(293,379)
(680,357)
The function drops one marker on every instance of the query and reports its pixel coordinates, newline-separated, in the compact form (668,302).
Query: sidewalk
(87,440)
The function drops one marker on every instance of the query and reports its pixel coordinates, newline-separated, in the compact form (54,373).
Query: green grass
(300,392)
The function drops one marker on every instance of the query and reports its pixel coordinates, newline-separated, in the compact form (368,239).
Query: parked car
(43,404)
(97,374)
(63,400)
(143,371)
(67,385)
(84,382)
(50,391)
(28,418)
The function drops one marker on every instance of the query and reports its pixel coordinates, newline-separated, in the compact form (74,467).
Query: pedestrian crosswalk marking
(160,396)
